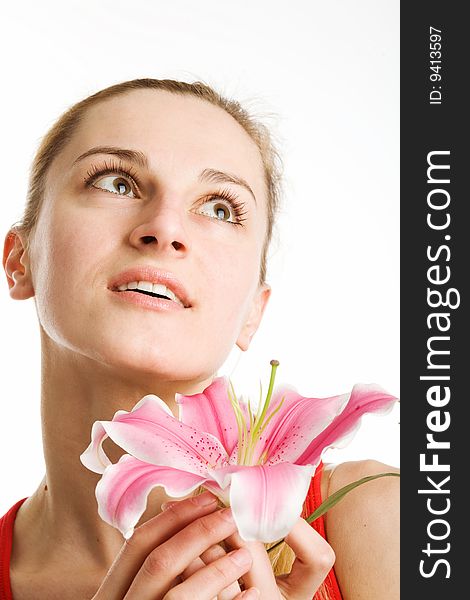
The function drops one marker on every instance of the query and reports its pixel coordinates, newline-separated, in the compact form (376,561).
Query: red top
(6,539)
(312,501)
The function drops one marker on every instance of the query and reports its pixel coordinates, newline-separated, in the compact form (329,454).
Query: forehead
(179,134)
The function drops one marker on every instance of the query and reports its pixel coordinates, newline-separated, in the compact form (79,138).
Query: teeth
(148,286)
(159,288)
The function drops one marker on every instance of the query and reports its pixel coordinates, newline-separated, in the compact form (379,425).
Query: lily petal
(211,412)
(154,435)
(295,424)
(364,398)
(123,489)
(266,501)
(94,457)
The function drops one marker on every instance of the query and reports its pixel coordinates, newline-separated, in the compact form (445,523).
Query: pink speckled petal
(364,398)
(212,412)
(295,425)
(153,435)
(124,487)
(266,501)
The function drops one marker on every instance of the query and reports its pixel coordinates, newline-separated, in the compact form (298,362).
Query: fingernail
(204,499)
(241,557)
(251,594)
(226,513)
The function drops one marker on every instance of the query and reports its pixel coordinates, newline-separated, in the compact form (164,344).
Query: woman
(168,183)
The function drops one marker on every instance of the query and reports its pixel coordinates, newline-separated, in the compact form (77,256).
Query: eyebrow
(139,158)
(134,156)
(215,176)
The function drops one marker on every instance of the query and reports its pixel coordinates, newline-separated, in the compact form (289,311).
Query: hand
(176,556)
(164,559)
(314,558)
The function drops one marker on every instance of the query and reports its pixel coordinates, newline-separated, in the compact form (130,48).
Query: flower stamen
(247,440)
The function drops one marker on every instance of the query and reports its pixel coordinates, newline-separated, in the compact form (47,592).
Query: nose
(164,229)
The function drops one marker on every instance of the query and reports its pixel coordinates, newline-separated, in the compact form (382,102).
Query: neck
(75,392)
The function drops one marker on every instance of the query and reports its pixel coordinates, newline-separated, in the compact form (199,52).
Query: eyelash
(113,168)
(232,199)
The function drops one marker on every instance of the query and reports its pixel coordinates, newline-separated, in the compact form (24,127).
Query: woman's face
(166,215)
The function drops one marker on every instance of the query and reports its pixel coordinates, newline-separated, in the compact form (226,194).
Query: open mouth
(152,282)
(147,288)
(150,294)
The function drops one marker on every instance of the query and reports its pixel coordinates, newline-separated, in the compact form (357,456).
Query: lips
(148,273)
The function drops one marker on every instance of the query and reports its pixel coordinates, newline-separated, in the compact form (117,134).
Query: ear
(254,318)
(16,265)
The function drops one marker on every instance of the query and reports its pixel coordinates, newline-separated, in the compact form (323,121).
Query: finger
(192,568)
(171,558)
(314,559)
(213,553)
(261,574)
(149,536)
(251,594)
(213,578)
(210,555)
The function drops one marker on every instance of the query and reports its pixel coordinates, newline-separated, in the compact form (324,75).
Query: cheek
(73,248)
(233,274)
(67,252)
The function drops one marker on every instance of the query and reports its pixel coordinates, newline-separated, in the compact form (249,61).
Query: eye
(113,177)
(115,184)
(218,210)
(223,206)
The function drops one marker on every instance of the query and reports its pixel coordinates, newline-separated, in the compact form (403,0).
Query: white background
(324,77)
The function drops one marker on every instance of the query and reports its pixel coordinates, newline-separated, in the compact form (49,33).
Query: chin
(145,366)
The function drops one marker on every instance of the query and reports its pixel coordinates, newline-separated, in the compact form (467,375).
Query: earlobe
(254,319)
(16,266)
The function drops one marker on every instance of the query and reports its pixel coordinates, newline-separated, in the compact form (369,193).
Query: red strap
(312,502)
(6,539)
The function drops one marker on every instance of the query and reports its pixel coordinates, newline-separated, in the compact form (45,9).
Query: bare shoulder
(363,529)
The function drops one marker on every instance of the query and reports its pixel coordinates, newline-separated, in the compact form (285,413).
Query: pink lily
(260,464)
